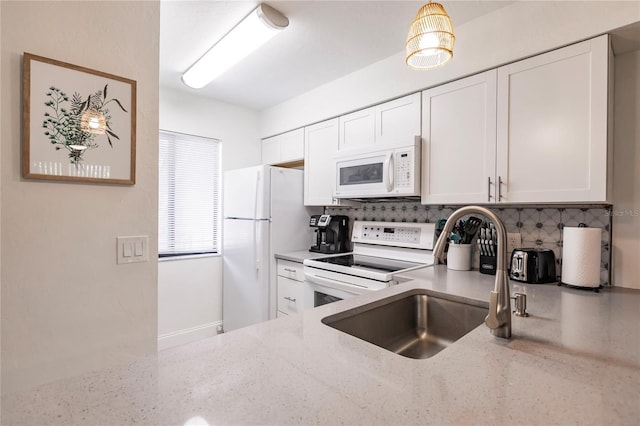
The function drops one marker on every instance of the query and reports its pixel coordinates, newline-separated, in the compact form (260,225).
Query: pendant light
(430,39)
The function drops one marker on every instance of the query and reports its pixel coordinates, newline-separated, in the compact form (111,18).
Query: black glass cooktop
(368,262)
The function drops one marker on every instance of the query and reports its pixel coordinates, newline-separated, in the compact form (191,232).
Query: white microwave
(391,172)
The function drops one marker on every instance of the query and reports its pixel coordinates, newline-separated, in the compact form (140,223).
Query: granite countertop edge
(576,359)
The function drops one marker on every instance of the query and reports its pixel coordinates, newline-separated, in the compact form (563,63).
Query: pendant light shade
(430,40)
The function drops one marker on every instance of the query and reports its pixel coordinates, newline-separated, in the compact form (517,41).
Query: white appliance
(380,251)
(379,173)
(263,214)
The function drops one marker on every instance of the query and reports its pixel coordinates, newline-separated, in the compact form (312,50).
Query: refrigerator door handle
(256,255)
(255,201)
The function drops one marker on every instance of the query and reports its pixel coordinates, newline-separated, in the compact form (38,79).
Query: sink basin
(415,324)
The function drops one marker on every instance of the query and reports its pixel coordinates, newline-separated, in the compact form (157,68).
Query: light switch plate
(132,249)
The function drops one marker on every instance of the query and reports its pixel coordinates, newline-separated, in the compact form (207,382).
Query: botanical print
(76,127)
(79,124)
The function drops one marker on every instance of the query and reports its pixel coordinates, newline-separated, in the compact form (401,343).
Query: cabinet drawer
(291,270)
(290,296)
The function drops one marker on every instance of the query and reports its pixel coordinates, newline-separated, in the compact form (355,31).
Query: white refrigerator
(264,214)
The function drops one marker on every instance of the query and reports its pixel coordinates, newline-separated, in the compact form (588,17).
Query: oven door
(328,286)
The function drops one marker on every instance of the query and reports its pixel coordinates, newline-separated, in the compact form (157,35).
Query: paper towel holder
(577,287)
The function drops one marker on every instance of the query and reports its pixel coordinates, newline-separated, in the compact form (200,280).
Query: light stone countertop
(575,360)
(300,255)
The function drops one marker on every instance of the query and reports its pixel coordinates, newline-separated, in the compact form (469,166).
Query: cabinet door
(459,136)
(357,130)
(291,270)
(271,150)
(552,125)
(292,146)
(321,144)
(398,122)
(284,148)
(290,296)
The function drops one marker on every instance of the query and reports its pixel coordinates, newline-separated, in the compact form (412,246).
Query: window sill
(188,256)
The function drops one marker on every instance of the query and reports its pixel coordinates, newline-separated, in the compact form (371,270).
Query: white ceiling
(324,41)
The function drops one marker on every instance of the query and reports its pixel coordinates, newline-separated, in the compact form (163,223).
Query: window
(189,199)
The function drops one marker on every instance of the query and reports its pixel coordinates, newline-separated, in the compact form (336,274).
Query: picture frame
(79,124)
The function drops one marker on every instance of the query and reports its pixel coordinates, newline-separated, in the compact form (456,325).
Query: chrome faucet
(499,318)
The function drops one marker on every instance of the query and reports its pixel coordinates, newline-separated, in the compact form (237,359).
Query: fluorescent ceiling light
(252,32)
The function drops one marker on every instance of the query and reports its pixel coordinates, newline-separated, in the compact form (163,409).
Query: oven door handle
(336,284)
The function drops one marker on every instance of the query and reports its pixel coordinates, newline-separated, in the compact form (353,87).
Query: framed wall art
(79,124)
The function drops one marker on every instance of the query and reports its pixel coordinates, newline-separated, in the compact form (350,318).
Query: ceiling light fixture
(253,31)
(430,40)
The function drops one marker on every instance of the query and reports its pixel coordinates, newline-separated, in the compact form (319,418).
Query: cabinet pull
(499,188)
(289,270)
(289,299)
(489,189)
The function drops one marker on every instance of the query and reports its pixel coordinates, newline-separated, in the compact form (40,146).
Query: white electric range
(380,251)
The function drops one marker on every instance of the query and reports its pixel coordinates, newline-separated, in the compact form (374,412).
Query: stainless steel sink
(414,324)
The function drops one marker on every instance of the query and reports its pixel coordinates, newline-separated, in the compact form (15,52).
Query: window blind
(189,194)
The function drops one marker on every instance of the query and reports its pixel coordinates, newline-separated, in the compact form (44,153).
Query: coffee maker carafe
(332,233)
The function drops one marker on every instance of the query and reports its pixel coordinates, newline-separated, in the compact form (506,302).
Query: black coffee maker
(332,233)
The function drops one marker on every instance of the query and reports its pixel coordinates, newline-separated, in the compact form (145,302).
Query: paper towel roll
(581,256)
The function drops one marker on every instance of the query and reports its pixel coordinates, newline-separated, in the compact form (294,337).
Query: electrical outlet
(514,241)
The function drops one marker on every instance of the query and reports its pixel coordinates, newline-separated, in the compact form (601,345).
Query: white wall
(190,290)
(626,171)
(189,299)
(237,127)
(510,33)
(67,307)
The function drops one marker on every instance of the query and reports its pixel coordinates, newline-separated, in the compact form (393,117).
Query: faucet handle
(492,320)
(521,305)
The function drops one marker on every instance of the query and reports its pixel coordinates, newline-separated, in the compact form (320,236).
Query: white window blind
(189,194)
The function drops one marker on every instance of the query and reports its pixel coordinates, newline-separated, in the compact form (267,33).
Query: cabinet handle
(289,270)
(489,189)
(289,299)
(499,188)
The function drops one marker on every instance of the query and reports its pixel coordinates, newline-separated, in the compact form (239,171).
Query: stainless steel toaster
(533,265)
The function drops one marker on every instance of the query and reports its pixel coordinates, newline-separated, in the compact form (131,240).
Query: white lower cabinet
(291,287)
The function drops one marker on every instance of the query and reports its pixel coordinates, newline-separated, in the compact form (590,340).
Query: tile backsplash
(538,226)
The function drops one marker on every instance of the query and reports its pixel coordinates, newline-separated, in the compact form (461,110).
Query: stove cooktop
(373,263)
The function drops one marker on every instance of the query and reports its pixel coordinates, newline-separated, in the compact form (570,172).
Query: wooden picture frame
(79,124)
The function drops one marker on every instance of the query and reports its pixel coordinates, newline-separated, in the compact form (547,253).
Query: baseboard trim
(187,335)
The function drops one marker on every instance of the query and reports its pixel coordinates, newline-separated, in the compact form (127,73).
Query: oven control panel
(391,233)
(415,235)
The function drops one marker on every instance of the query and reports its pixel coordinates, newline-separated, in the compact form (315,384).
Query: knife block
(487,265)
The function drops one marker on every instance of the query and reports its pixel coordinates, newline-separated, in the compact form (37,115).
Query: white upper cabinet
(271,150)
(459,136)
(398,121)
(535,131)
(285,148)
(393,123)
(552,125)
(321,144)
(358,129)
